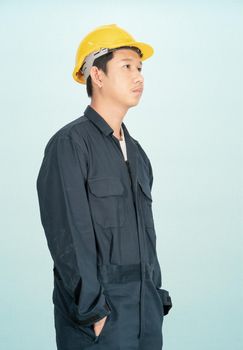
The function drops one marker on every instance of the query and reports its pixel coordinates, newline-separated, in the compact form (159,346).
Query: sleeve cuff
(166,300)
(94,317)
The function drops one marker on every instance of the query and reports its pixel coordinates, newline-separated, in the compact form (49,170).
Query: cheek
(119,87)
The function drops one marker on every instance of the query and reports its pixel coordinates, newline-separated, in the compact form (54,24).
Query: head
(115,75)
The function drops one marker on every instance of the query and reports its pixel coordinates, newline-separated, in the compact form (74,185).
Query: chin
(134,103)
(130,103)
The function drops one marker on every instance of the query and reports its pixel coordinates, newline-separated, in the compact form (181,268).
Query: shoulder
(73,132)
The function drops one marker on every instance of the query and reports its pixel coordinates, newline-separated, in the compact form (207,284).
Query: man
(94,190)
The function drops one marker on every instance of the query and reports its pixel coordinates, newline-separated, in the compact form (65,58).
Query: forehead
(126,55)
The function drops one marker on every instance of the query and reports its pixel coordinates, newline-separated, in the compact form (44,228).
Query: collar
(100,122)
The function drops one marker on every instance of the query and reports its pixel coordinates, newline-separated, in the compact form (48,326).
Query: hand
(99,325)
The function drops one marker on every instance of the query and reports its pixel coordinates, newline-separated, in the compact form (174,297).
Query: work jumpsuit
(96,211)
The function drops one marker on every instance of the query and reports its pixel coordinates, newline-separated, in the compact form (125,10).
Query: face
(124,82)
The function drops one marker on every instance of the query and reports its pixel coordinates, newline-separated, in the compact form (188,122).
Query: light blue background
(189,121)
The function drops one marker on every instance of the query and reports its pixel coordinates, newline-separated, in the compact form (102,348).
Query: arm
(67,223)
(157,276)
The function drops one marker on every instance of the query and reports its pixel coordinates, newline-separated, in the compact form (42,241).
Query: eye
(128,65)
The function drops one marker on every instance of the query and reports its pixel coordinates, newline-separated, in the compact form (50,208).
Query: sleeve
(157,276)
(66,219)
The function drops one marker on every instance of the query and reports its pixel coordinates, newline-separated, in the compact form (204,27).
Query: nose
(138,78)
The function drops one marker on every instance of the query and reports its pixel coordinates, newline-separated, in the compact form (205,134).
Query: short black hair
(101,63)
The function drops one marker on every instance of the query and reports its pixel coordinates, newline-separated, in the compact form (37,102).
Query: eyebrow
(129,59)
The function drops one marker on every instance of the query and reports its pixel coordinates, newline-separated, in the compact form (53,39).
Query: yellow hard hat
(98,42)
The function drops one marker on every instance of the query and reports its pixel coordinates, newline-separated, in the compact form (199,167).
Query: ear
(96,76)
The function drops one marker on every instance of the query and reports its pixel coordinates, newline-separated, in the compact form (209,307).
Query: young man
(94,190)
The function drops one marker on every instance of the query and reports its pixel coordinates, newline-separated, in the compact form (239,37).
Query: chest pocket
(107,201)
(146,200)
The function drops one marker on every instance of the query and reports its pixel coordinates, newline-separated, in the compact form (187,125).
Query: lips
(137,90)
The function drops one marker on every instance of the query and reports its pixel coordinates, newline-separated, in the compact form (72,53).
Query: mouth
(137,91)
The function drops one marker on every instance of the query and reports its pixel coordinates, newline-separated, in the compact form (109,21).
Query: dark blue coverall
(96,211)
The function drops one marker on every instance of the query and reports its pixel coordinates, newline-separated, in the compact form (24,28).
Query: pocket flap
(108,186)
(145,188)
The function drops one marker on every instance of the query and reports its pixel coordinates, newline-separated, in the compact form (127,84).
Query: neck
(112,114)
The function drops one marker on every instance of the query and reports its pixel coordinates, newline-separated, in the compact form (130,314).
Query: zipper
(141,242)
(142,264)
